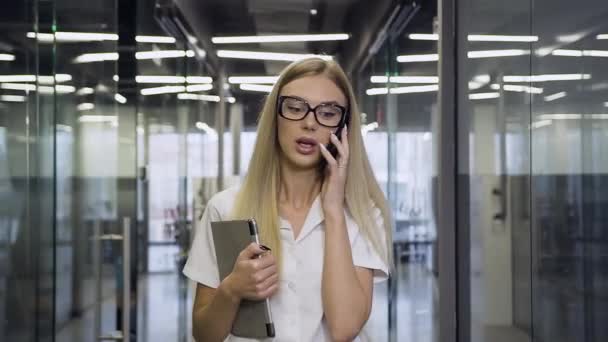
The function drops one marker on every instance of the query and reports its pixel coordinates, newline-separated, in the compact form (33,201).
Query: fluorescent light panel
(12,98)
(547,78)
(542,123)
(120,99)
(172,79)
(256,87)
(160,54)
(580,53)
(253,79)
(484,96)
(267,56)
(498,53)
(424,36)
(7,57)
(555,96)
(501,38)
(602,36)
(418,58)
(155,39)
(98,118)
(175,89)
(403,90)
(405,79)
(96,57)
(280,38)
(85,106)
(208,98)
(72,37)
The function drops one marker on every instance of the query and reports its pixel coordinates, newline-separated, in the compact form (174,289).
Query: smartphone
(331,147)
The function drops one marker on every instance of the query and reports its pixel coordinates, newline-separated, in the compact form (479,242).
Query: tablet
(254,319)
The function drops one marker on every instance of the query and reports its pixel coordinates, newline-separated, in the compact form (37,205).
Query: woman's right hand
(253,278)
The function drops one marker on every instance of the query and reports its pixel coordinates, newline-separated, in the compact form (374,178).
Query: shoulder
(222,202)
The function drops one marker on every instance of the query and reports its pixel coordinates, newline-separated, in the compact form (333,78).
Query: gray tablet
(254,319)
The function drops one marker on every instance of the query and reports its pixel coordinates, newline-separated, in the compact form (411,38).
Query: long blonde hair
(258,195)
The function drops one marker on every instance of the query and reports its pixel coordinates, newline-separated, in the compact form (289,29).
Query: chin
(303,162)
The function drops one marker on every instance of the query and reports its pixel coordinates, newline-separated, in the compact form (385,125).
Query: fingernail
(345,128)
(265,248)
(322,146)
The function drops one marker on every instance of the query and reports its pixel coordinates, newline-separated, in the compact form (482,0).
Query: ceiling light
(7,57)
(199,87)
(377,91)
(160,79)
(547,78)
(18,86)
(98,118)
(542,123)
(120,99)
(155,39)
(208,98)
(64,89)
(160,54)
(162,90)
(602,36)
(414,89)
(12,98)
(518,88)
(72,37)
(403,90)
(256,87)
(405,79)
(17,78)
(253,79)
(96,57)
(313,11)
(204,127)
(560,116)
(605,104)
(501,38)
(269,56)
(418,58)
(173,79)
(287,38)
(555,96)
(199,79)
(85,106)
(497,53)
(424,36)
(479,81)
(484,96)
(580,53)
(567,53)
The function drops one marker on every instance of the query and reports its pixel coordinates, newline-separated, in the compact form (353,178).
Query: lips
(306,145)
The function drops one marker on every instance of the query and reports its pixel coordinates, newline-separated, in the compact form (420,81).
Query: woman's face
(299,140)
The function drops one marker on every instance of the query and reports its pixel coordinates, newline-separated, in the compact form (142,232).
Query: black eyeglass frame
(344,110)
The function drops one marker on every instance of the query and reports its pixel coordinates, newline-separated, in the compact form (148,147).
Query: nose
(309,121)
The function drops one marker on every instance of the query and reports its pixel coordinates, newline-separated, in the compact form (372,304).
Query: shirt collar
(313,219)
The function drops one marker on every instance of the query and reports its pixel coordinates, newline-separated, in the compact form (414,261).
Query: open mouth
(306,145)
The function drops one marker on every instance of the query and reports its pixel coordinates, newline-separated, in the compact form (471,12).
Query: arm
(213,313)
(346,289)
(252,278)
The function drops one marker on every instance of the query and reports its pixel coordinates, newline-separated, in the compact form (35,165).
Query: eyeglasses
(296,109)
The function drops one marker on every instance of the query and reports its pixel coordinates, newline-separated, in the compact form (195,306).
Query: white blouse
(297,308)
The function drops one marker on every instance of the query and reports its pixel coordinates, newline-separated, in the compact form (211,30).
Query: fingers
(343,153)
(345,140)
(252,250)
(331,161)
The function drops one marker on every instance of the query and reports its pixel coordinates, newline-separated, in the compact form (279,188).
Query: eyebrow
(322,102)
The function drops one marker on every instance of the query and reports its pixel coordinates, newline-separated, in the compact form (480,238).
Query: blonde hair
(258,195)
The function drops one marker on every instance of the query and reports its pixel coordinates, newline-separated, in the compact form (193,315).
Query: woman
(325,219)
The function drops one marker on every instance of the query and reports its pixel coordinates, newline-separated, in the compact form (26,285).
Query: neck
(298,188)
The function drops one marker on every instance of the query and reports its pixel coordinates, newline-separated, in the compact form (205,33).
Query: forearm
(213,321)
(344,301)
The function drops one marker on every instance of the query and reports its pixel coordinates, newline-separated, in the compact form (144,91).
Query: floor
(166,300)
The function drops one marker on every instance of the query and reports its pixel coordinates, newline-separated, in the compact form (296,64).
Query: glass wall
(531,104)
(399,100)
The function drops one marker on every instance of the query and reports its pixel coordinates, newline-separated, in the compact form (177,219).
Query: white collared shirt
(297,309)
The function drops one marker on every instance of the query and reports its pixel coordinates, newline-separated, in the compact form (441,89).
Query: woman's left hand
(332,191)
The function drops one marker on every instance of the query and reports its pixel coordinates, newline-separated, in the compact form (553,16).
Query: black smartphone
(331,147)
